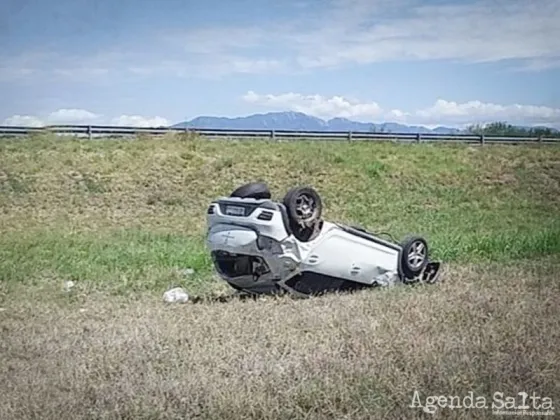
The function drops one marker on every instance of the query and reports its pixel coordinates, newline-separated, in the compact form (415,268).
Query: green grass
(124,262)
(126,215)
(133,261)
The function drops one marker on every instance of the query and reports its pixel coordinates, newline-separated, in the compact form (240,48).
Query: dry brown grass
(485,329)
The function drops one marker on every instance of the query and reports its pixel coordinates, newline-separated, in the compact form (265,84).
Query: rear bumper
(240,262)
(234,239)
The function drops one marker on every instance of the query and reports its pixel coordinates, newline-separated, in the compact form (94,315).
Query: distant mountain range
(304,122)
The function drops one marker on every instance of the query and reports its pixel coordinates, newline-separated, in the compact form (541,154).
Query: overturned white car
(261,246)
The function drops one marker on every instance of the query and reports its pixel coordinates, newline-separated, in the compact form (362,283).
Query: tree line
(504,129)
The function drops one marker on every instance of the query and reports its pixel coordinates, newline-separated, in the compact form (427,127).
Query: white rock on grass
(176,295)
(69,285)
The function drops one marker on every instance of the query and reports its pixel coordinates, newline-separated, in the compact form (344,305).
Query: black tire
(304,228)
(304,206)
(414,256)
(256,190)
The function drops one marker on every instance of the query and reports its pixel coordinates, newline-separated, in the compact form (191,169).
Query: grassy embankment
(122,218)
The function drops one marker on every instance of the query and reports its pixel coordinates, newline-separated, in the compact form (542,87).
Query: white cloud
(476,111)
(23,121)
(83,117)
(350,32)
(139,121)
(441,112)
(470,31)
(316,105)
(206,54)
(71,116)
(209,68)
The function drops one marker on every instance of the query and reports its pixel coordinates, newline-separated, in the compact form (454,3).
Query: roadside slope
(127,214)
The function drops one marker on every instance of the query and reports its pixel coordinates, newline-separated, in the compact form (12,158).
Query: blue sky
(158,62)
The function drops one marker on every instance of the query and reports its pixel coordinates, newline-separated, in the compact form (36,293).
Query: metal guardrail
(116,131)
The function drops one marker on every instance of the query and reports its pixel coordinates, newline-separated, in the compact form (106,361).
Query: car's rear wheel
(414,257)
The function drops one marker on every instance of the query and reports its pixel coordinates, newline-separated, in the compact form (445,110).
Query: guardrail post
(540,138)
(418,138)
(482,139)
(272,135)
(350,135)
(89,132)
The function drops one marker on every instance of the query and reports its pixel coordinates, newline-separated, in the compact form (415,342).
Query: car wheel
(414,257)
(305,208)
(256,190)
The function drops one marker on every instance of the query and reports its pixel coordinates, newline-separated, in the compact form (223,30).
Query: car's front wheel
(414,256)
